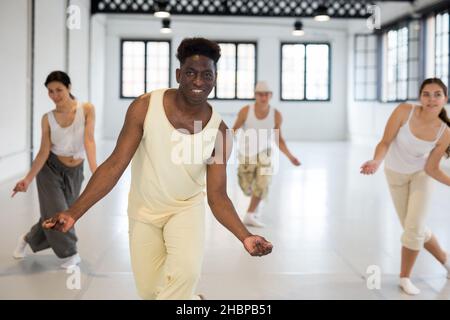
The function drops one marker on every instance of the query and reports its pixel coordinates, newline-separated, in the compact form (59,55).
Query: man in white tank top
(261,127)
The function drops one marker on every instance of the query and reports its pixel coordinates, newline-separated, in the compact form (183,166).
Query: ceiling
(349,9)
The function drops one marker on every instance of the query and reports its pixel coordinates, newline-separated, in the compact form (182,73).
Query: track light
(321,13)
(298,29)
(161,9)
(165,28)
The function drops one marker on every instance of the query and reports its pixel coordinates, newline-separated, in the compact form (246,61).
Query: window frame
(145,40)
(421,42)
(435,41)
(365,67)
(236,43)
(305,43)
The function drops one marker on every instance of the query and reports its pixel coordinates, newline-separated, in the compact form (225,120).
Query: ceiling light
(165,28)
(161,9)
(298,29)
(321,13)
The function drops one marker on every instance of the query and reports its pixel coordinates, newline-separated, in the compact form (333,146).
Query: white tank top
(257,134)
(407,153)
(68,141)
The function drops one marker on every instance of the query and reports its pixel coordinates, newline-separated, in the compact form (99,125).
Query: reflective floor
(331,227)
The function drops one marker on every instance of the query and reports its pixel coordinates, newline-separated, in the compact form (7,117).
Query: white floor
(327,222)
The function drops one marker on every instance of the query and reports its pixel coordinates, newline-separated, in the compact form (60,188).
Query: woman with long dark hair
(414,141)
(67,135)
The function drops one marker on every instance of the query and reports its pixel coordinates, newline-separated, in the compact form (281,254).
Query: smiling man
(166,205)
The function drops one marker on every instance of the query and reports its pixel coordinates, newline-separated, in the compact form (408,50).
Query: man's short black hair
(198,46)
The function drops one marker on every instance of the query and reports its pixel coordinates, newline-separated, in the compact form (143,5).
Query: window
(397,63)
(365,79)
(236,71)
(442,47)
(403,70)
(145,66)
(414,70)
(305,71)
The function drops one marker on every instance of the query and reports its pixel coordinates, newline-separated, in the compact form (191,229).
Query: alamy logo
(255,146)
(374,279)
(73,21)
(73,282)
(374,21)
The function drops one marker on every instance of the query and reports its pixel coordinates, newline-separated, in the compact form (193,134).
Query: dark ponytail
(443,114)
(59,76)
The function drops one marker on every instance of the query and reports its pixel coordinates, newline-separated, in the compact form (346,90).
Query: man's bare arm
(107,174)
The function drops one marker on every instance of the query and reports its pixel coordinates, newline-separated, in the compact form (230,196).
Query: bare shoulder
(402,111)
(223,127)
(139,107)
(244,111)
(278,114)
(44,121)
(88,106)
(445,138)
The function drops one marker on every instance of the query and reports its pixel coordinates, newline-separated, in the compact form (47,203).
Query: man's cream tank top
(168,170)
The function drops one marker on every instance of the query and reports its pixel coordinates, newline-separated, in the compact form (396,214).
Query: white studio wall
(56,47)
(14,87)
(97,70)
(50,54)
(78,29)
(302,120)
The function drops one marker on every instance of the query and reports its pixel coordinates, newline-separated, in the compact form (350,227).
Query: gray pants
(58,187)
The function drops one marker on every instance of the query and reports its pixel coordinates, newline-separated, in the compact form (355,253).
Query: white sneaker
(72,261)
(20,250)
(250,220)
(408,287)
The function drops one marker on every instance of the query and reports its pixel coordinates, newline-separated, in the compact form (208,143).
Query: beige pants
(410,193)
(167,261)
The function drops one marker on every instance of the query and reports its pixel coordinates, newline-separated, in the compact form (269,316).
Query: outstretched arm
(220,203)
(40,159)
(390,132)
(107,174)
(432,167)
(89,136)
(240,120)
(279,140)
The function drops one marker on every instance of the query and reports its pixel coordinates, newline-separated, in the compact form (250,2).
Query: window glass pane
(401,90)
(133,68)
(293,61)
(445,26)
(413,50)
(226,71)
(414,28)
(360,76)
(360,43)
(317,72)
(371,75)
(371,43)
(371,92)
(413,89)
(413,69)
(371,59)
(360,92)
(246,71)
(360,59)
(158,65)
